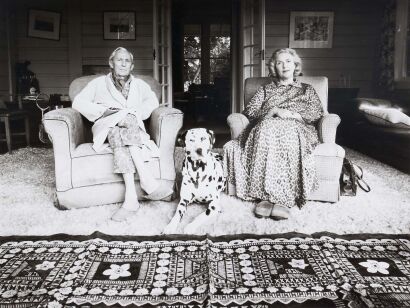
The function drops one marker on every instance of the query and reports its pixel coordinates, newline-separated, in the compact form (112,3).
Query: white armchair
(84,177)
(328,155)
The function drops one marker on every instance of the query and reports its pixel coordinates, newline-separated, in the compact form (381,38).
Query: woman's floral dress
(272,159)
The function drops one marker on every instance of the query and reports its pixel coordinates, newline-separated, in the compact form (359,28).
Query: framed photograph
(44,24)
(119,25)
(311,29)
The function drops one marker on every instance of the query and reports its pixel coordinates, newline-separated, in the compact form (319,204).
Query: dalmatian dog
(202,178)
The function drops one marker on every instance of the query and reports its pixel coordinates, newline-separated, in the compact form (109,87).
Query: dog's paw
(191,228)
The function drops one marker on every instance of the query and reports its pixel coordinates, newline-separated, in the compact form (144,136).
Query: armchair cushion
(364,102)
(90,168)
(389,117)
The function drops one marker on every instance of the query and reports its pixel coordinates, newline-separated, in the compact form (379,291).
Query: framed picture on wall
(44,24)
(119,25)
(311,29)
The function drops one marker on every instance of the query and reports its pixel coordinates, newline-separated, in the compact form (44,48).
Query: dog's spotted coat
(202,178)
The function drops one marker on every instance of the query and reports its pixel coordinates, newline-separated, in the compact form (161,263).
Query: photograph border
(310,43)
(32,32)
(131,36)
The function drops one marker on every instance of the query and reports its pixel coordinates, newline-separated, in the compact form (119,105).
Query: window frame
(200,49)
(226,58)
(205,57)
(401,80)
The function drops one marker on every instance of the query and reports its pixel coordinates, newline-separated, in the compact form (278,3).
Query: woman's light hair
(296,59)
(118,50)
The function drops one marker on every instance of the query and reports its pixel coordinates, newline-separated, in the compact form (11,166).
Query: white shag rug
(26,206)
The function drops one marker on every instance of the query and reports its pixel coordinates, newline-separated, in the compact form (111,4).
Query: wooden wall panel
(355,39)
(96,50)
(49,58)
(4,69)
(354,52)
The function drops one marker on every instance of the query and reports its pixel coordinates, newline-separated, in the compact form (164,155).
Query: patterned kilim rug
(288,270)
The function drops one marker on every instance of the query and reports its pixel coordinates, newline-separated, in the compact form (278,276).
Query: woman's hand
(285,114)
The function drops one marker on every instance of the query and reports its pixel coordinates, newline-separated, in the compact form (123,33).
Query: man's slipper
(263,209)
(280,212)
(161,193)
(121,214)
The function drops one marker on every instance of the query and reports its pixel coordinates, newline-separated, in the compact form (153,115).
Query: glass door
(207,70)
(192,55)
(162,48)
(252,40)
(207,50)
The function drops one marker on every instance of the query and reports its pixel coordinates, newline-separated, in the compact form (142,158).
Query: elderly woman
(117,104)
(271,161)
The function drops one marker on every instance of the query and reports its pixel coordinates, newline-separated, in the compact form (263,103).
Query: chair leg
(27,128)
(8,133)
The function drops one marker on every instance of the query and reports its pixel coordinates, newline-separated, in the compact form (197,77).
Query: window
(207,53)
(220,47)
(192,55)
(408,41)
(402,45)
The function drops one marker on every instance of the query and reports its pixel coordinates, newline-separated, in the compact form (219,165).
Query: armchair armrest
(65,128)
(327,128)
(237,122)
(165,124)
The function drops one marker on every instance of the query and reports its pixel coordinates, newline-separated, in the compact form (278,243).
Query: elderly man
(117,104)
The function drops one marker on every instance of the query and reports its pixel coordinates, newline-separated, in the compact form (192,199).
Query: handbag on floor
(350,178)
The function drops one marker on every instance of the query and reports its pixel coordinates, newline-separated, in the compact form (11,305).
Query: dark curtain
(386,62)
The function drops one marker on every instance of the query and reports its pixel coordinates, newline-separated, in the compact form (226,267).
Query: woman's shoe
(280,212)
(263,209)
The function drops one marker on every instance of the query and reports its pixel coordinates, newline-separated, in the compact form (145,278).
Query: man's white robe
(101,94)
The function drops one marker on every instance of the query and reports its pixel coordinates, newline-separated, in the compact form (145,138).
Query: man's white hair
(118,50)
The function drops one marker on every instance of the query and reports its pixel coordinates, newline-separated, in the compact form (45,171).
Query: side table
(28,103)
(6,116)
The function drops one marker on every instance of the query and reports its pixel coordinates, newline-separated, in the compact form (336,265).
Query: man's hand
(110,111)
